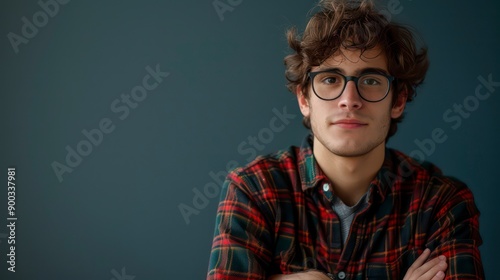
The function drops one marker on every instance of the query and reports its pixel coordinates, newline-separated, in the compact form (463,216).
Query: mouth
(349,123)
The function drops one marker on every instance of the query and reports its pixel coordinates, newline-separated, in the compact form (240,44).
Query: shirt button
(341,275)
(326,187)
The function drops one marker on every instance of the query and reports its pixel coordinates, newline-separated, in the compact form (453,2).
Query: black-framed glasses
(330,84)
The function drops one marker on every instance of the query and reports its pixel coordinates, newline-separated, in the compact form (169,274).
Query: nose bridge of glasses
(351,78)
(355,83)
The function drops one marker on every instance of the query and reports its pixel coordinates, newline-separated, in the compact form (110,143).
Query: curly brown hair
(342,24)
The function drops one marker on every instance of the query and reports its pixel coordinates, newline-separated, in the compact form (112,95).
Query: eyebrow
(357,72)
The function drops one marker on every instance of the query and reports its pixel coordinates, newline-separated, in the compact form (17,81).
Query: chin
(353,149)
(349,153)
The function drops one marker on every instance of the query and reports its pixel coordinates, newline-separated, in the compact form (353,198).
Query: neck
(350,176)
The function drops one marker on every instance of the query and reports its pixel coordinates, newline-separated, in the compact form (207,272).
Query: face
(350,126)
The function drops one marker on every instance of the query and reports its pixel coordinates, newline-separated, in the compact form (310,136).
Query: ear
(399,106)
(303,102)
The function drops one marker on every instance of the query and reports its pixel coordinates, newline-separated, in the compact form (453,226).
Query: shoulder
(428,181)
(268,171)
(265,184)
(404,164)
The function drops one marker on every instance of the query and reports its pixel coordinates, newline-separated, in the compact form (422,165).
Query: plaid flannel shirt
(275,217)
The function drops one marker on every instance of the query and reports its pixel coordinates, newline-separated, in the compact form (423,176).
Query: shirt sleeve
(242,240)
(455,229)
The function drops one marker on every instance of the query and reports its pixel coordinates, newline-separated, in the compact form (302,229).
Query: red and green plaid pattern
(274,217)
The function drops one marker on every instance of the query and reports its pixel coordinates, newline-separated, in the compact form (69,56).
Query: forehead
(355,60)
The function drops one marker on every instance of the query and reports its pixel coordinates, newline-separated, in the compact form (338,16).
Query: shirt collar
(311,174)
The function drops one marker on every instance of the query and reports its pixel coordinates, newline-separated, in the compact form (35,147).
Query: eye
(372,80)
(329,79)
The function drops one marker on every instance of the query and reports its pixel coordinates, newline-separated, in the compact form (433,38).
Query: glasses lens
(373,87)
(328,85)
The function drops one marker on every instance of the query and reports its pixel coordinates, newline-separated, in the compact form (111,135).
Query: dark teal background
(119,208)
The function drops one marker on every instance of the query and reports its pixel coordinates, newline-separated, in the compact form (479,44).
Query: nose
(350,99)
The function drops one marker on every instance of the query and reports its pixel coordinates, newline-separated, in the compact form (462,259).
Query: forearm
(455,233)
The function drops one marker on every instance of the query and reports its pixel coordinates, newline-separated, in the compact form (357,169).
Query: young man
(343,206)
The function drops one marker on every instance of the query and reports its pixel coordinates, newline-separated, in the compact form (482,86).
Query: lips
(349,123)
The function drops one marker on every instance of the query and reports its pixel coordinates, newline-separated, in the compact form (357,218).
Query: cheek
(386,119)
(319,112)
